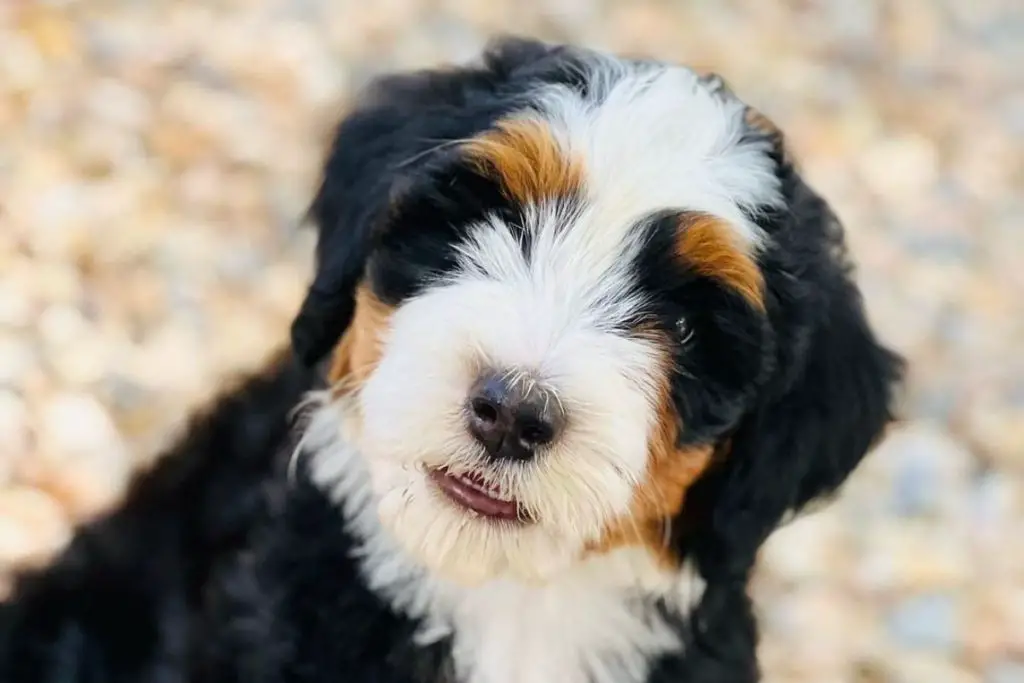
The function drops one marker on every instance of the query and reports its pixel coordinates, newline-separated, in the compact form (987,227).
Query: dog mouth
(472,492)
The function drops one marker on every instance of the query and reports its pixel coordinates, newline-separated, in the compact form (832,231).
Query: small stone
(83,460)
(571,13)
(252,338)
(928,470)
(172,359)
(99,150)
(929,622)
(23,66)
(52,31)
(835,621)
(912,555)
(998,428)
(84,363)
(988,164)
(56,282)
(32,527)
(200,185)
(996,620)
(240,263)
(17,359)
(1012,611)
(994,500)
(319,78)
(15,306)
(244,197)
(285,286)
(809,547)
(58,223)
(897,166)
(179,143)
(919,668)
(14,433)
(61,324)
(119,104)
(915,31)
(1005,671)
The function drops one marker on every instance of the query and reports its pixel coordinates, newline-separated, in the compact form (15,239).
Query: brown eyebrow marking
(524,156)
(706,244)
(359,350)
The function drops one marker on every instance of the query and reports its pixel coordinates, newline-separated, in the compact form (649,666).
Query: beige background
(155,157)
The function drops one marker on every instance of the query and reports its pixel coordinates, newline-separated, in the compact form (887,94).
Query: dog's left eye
(684,331)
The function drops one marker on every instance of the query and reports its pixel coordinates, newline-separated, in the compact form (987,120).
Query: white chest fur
(592,624)
(588,627)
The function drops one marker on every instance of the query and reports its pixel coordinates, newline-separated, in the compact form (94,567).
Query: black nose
(512,419)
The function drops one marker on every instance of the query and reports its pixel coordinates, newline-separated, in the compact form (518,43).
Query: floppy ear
(379,147)
(827,402)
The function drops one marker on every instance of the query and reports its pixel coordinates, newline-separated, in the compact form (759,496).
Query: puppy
(579,339)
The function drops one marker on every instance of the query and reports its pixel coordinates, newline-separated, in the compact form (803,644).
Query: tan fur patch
(659,496)
(761,123)
(527,160)
(706,244)
(359,349)
(767,127)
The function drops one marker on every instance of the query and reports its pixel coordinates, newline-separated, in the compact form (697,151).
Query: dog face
(574,302)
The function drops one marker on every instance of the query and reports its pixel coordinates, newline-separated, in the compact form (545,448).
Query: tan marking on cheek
(660,494)
(525,157)
(767,127)
(761,123)
(360,348)
(705,243)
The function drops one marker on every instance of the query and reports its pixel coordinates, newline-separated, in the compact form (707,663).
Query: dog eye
(684,330)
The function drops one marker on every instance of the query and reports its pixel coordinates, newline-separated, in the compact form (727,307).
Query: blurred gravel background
(156,157)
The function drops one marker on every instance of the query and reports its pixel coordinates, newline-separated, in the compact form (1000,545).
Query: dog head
(571,302)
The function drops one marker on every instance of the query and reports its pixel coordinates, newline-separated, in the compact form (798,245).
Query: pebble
(83,460)
(927,470)
(15,437)
(994,497)
(832,617)
(904,555)
(898,166)
(15,307)
(33,526)
(810,547)
(914,668)
(1005,671)
(119,104)
(931,621)
(998,428)
(16,360)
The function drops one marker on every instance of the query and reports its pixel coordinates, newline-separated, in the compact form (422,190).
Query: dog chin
(459,544)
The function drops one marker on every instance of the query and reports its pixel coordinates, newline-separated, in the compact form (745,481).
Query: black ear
(826,404)
(380,146)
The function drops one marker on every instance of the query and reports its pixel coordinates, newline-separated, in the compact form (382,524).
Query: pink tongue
(479,502)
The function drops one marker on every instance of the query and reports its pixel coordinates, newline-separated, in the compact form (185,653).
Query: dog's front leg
(123,602)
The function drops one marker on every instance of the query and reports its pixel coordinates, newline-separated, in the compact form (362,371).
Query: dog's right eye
(684,330)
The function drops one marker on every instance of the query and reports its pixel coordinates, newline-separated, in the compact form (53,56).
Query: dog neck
(603,620)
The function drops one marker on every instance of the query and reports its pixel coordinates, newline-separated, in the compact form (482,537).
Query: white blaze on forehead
(652,137)
(578,267)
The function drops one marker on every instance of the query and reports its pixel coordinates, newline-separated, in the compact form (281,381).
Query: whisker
(441,145)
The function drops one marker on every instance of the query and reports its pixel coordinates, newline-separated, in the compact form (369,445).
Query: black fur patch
(721,345)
